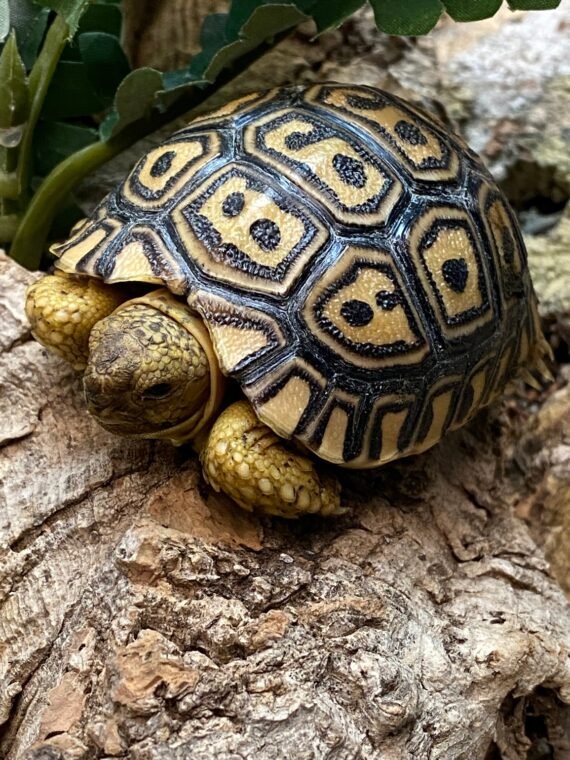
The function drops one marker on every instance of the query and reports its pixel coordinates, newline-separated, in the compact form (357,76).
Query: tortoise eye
(157,391)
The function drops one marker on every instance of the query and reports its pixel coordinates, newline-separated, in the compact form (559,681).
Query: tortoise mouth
(111,418)
(130,425)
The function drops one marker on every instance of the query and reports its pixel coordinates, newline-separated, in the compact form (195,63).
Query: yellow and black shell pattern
(361,274)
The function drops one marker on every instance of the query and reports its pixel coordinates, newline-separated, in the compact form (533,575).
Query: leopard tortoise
(339,255)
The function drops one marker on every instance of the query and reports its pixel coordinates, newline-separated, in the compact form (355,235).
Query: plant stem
(32,233)
(8,185)
(39,80)
(8,226)
(29,240)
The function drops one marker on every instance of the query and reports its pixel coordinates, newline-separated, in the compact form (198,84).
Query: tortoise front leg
(251,464)
(62,310)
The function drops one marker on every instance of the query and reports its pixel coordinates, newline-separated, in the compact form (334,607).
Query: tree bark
(143,616)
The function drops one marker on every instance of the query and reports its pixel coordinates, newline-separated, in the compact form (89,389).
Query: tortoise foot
(62,310)
(251,464)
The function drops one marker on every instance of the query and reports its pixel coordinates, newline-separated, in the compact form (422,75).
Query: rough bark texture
(142,613)
(142,616)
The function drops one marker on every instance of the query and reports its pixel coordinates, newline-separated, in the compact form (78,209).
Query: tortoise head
(151,370)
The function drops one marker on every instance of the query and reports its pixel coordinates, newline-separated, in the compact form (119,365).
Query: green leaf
(71,93)
(330,14)
(55,141)
(4,19)
(133,100)
(264,23)
(71,10)
(144,88)
(241,12)
(14,94)
(471,10)
(212,39)
(101,17)
(407,17)
(533,5)
(106,63)
(29,22)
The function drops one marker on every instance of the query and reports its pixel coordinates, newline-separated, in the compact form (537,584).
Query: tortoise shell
(360,273)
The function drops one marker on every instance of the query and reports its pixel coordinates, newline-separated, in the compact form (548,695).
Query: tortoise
(332,253)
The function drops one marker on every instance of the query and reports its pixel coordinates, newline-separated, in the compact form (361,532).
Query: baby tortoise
(338,253)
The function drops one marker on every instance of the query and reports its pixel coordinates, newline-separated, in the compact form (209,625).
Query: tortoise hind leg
(62,310)
(251,464)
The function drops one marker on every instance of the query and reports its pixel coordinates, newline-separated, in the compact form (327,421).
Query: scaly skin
(146,374)
(63,310)
(249,462)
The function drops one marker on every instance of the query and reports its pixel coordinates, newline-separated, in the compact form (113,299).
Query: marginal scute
(387,422)
(282,397)
(334,435)
(523,350)
(506,245)
(288,405)
(502,371)
(142,256)
(391,426)
(474,393)
(241,335)
(437,414)
(330,432)
(80,253)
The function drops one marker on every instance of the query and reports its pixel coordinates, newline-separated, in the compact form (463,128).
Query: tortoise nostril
(96,400)
(98,407)
(157,391)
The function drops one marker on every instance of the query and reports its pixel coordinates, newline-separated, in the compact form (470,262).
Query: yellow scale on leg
(247,460)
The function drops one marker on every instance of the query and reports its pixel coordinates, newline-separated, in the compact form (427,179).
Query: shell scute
(336,168)
(407,137)
(361,275)
(243,231)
